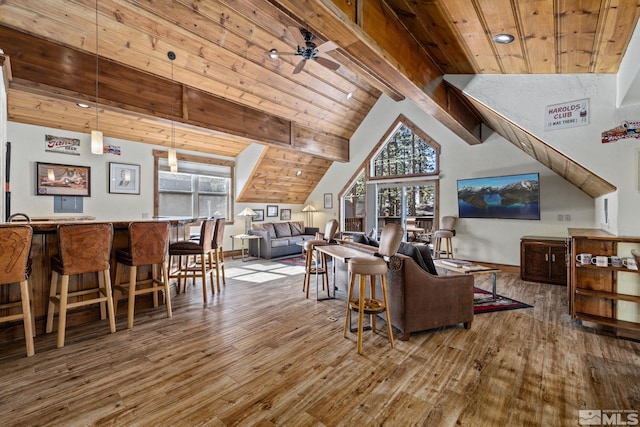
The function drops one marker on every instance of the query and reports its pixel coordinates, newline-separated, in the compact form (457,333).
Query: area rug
(291,260)
(482,302)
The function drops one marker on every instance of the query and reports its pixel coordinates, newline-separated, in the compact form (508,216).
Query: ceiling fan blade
(299,67)
(285,53)
(327,63)
(297,36)
(326,47)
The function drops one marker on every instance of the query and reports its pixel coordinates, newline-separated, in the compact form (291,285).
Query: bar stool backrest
(218,234)
(390,239)
(148,242)
(330,230)
(15,244)
(206,234)
(84,248)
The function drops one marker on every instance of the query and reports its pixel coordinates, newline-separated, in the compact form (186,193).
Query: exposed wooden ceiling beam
(380,44)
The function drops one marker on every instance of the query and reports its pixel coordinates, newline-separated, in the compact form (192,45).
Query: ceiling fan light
(503,38)
(273,54)
(96,142)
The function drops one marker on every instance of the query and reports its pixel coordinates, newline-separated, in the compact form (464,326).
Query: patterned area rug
(482,302)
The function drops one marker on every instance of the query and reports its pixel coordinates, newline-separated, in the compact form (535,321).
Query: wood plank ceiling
(227,93)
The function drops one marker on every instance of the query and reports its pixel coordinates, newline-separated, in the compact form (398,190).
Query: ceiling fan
(307,49)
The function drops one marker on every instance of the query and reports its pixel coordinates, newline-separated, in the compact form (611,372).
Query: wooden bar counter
(45,244)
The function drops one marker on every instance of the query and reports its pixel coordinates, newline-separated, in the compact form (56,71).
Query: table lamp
(248,214)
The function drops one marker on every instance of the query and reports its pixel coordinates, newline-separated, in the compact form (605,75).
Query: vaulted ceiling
(224,92)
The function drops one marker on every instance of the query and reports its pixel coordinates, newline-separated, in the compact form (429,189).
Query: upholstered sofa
(279,238)
(418,300)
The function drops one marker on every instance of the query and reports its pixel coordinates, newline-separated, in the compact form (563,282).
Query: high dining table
(337,253)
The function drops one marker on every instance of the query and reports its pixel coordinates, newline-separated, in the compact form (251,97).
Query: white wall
(477,239)
(616,162)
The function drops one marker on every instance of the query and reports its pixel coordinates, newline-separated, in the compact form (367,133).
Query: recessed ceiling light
(298,173)
(503,38)
(82,105)
(273,54)
(350,95)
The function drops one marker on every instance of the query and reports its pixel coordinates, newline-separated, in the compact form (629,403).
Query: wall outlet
(560,217)
(567,217)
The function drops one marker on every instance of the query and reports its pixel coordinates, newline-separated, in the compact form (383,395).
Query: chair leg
(167,291)
(53,290)
(386,309)
(101,285)
(372,284)
(26,317)
(116,282)
(154,282)
(62,314)
(131,304)
(203,267)
(112,317)
(363,282)
(349,296)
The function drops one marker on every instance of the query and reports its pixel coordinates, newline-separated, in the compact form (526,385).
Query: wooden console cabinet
(607,296)
(543,260)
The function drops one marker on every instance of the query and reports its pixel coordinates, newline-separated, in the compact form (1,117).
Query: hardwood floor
(260,354)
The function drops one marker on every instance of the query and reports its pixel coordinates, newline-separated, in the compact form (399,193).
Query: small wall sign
(627,129)
(567,115)
(58,144)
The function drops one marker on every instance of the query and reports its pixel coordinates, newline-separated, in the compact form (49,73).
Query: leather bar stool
(218,253)
(203,254)
(311,257)
(445,232)
(15,244)
(372,266)
(148,243)
(82,248)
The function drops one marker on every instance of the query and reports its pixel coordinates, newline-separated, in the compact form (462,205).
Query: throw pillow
(420,254)
(362,238)
(297,227)
(282,229)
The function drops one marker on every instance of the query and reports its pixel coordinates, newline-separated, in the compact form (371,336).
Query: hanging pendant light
(172,156)
(96,135)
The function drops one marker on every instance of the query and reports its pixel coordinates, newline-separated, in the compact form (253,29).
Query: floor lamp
(248,214)
(309,210)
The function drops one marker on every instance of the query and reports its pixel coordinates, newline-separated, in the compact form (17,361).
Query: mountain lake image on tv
(507,197)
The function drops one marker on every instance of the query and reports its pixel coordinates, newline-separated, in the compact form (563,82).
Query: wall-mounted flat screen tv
(508,197)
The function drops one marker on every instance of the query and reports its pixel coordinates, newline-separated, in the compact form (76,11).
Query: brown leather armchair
(419,301)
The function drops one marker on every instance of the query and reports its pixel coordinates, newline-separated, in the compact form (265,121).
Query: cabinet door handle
(546,257)
(553,258)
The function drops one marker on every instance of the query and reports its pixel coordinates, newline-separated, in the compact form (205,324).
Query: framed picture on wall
(285,214)
(53,179)
(328,200)
(272,210)
(259,216)
(124,178)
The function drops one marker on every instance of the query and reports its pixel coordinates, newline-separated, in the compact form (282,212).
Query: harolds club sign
(567,115)
(627,129)
(58,144)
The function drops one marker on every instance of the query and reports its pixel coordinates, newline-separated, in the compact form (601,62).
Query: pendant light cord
(97,66)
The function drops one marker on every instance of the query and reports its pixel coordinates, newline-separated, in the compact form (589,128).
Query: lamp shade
(247,212)
(309,208)
(96,142)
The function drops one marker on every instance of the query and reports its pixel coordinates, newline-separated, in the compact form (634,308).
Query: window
(407,152)
(353,203)
(203,187)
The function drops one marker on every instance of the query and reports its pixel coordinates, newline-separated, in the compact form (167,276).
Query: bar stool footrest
(371,306)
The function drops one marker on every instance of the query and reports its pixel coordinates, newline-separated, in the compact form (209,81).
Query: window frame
(160,154)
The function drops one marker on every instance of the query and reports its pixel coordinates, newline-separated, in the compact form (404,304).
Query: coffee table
(469,268)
